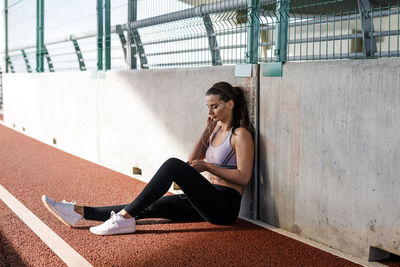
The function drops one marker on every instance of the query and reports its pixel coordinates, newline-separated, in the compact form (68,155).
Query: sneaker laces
(113,217)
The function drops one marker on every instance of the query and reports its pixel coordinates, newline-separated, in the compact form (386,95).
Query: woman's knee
(172,163)
(170,166)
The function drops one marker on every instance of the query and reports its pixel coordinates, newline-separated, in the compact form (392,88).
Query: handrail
(194,12)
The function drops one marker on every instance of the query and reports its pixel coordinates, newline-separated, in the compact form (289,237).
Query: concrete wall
(126,119)
(330,153)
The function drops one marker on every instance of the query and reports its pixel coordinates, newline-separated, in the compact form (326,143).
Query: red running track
(30,168)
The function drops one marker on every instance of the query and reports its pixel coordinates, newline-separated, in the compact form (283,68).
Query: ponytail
(240,112)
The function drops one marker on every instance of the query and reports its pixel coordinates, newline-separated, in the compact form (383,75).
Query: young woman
(228,150)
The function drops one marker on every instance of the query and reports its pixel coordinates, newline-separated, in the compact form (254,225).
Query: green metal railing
(40,36)
(133,34)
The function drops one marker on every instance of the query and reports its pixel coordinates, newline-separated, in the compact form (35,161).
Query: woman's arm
(199,149)
(243,144)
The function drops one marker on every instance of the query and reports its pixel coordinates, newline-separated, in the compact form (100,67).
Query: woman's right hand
(200,148)
(211,123)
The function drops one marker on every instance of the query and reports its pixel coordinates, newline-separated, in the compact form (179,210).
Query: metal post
(82,66)
(99,34)
(369,41)
(253,31)
(134,40)
(131,51)
(120,32)
(10,65)
(39,35)
(6,31)
(107,26)
(282,11)
(212,41)
(256,185)
(140,49)
(28,66)
(48,58)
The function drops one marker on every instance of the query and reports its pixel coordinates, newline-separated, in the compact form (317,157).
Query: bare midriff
(216,180)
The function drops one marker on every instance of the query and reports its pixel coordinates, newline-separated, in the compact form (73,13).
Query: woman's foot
(117,224)
(64,211)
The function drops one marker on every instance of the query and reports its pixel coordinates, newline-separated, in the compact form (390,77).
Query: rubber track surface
(29,168)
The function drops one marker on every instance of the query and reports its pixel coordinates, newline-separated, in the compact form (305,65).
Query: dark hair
(227,92)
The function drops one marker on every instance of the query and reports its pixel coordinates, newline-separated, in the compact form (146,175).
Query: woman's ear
(231,104)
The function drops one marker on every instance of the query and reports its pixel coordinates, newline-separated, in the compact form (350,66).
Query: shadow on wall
(179,109)
(267,207)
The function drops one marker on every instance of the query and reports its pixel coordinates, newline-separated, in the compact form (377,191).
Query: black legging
(202,200)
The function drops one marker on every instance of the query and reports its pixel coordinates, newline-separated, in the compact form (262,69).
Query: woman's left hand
(199,165)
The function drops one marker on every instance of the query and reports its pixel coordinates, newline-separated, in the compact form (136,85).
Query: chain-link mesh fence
(178,33)
(333,30)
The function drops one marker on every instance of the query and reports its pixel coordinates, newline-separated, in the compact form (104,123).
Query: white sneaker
(117,224)
(64,211)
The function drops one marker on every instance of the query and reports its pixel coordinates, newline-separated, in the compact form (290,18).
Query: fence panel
(320,30)
(180,33)
(65,17)
(21,31)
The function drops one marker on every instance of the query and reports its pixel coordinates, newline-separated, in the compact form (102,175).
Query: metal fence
(74,35)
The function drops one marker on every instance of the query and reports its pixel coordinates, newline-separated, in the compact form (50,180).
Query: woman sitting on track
(228,149)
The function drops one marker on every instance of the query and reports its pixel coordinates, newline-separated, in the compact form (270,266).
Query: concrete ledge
(315,244)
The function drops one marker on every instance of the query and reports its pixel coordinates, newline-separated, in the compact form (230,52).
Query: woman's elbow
(243,179)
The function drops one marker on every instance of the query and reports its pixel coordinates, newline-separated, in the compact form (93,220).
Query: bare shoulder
(242,134)
(241,131)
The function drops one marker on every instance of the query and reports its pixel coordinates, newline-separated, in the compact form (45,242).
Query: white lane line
(64,251)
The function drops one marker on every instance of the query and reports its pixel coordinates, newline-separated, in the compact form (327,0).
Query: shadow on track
(238,226)
(8,256)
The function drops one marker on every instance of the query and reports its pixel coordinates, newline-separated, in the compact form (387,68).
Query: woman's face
(218,109)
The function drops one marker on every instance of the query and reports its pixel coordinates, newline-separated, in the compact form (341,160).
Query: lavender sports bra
(222,155)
